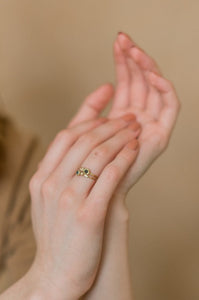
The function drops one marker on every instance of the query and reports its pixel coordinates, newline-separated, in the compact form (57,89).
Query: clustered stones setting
(83,172)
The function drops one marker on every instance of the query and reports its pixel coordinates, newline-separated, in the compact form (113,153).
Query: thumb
(94,104)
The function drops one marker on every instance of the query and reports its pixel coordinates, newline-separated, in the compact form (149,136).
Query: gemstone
(86,171)
(77,172)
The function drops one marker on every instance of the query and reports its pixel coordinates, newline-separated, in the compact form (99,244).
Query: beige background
(53,53)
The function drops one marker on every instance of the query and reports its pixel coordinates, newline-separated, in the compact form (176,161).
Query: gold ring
(86,173)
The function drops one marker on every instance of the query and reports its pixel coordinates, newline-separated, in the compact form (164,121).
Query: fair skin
(140,90)
(69,212)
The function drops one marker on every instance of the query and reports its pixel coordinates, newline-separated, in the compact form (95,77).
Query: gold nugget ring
(86,173)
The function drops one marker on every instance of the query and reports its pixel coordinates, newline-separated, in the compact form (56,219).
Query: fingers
(104,154)
(131,84)
(121,99)
(62,143)
(82,148)
(125,41)
(139,87)
(153,98)
(94,104)
(144,60)
(139,55)
(154,103)
(170,101)
(111,176)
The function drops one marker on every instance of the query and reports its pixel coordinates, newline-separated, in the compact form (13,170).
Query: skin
(69,213)
(141,89)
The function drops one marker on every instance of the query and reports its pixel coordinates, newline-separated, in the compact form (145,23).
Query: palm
(140,90)
(152,133)
(150,105)
(152,141)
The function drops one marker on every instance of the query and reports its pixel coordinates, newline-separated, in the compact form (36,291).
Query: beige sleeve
(20,252)
(19,244)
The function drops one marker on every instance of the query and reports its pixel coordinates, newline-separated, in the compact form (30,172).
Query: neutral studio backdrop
(53,53)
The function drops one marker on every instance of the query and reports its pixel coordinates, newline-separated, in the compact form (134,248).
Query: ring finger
(81,149)
(102,155)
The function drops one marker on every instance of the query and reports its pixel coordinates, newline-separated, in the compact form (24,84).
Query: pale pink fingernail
(134,145)
(128,118)
(126,36)
(134,126)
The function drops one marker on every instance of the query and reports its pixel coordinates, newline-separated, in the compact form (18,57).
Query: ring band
(86,173)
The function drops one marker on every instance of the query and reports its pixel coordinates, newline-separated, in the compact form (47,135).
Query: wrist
(118,211)
(43,287)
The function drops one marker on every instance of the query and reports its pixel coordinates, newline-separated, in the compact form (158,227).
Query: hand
(69,211)
(141,90)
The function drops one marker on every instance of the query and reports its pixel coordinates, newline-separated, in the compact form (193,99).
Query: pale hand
(141,90)
(69,211)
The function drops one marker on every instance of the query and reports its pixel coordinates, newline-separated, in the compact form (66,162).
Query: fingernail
(134,145)
(102,120)
(129,118)
(135,126)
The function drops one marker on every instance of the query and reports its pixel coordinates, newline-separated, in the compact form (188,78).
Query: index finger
(93,104)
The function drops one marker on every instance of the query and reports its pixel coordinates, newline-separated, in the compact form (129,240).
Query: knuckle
(67,198)
(34,184)
(87,138)
(112,172)
(48,188)
(100,151)
(65,134)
